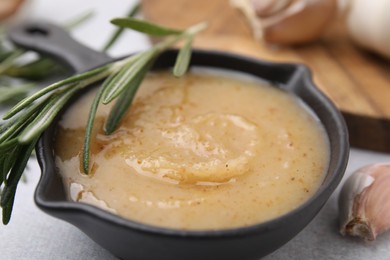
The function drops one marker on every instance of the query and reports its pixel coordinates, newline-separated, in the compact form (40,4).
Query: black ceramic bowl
(131,240)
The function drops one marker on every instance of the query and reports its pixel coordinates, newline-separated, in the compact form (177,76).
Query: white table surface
(32,234)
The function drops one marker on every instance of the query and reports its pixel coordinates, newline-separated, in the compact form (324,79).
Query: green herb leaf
(9,159)
(8,145)
(10,60)
(3,172)
(145,27)
(79,20)
(89,129)
(23,116)
(35,70)
(10,93)
(183,59)
(12,128)
(26,102)
(11,183)
(47,115)
(126,76)
(5,54)
(7,208)
(124,101)
(117,33)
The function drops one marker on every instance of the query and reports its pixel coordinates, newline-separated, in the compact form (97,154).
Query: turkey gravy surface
(205,151)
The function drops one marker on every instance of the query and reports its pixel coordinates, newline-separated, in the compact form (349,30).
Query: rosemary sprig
(145,27)
(26,121)
(41,68)
(126,80)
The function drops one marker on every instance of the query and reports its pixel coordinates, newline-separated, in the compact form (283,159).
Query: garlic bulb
(364,202)
(368,24)
(288,21)
(9,8)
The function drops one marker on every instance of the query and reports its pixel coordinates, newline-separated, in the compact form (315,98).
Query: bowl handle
(53,41)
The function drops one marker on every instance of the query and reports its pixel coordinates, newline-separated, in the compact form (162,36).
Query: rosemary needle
(79,20)
(10,60)
(8,93)
(117,33)
(183,59)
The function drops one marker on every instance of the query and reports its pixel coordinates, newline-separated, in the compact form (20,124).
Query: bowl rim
(301,72)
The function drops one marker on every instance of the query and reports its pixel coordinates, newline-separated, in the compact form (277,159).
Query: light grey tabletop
(32,234)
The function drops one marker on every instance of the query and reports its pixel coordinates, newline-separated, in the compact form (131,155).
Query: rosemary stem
(161,46)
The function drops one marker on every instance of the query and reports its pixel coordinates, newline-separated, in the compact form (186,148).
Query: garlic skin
(364,202)
(288,22)
(247,9)
(268,7)
(300,22)
(367,23)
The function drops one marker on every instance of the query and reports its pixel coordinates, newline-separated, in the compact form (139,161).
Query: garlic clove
(364,202)
(301,22)
(367,24)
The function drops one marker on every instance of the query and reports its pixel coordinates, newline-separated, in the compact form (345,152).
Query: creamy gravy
(200,152)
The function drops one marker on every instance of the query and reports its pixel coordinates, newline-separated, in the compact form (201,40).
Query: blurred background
(96,30)
(355,77)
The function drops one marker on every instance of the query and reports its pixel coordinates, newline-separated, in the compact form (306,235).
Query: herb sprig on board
(17,78)
(26,121)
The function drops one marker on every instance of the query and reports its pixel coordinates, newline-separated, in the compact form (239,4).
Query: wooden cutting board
(357,81)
